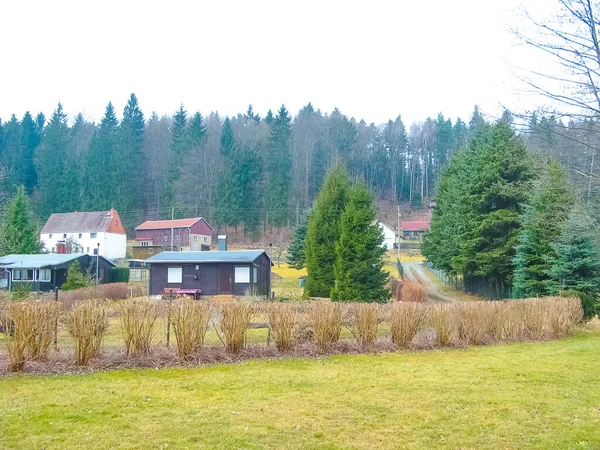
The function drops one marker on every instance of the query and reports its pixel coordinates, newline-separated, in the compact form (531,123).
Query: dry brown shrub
(532,313)
(364,324)
(137,319)
(87,322)
(406,320)
(190,321)
(441,318)
(29,328)
(326,319)
(234,322)
(282,324)
(564,314)
(472,322)
(413,292)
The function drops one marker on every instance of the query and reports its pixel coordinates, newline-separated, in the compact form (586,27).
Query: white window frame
(16,274)
(175,275)
(93,235)
(241,274)
(45,279)
(255,274)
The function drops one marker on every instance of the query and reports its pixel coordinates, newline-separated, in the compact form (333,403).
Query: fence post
(56,323)
(169,317)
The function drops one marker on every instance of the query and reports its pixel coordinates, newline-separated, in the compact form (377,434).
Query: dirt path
(414,272)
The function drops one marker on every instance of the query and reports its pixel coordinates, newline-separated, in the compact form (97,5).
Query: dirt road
(414,272)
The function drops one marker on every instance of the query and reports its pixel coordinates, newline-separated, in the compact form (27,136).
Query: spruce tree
(17,233)
(99,161)
(324,231)
(359,274)
(279,167)
(542,221)
(575,265)
(30,139)
(296,254)
(75,278)
(179,151)
(227,207)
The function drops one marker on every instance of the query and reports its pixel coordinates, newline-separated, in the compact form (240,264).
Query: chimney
(61,248)
(222,243)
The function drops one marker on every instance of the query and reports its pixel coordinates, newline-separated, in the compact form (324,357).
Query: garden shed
(233,272)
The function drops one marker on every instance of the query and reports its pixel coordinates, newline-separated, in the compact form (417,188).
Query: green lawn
(527,395)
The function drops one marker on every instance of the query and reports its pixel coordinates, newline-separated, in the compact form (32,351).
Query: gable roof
(230,256)
(177,223)
(37,261)
(385,225)
(417,225)
(84,222)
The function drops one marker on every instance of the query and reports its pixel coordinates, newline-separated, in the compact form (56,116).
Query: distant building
(414,231)
(193,234)
(233,272)
(97,232)
(44,272)
(389,236)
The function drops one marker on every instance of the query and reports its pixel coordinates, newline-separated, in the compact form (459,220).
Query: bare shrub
(235,320)
(471,323)
(406,320)
(364,325)
(29,328)
(87,322)
(326,319)
(412,292)
(564,314)
(533,315)
(441,318)
(282,324)
(190,321)
(137,319)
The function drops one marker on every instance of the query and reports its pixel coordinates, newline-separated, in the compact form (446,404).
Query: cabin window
(17,274)
(44,275)
(64,235)
(50,236)
(255,274)
(80,235)
(174,274)
(242,274)
(93,235)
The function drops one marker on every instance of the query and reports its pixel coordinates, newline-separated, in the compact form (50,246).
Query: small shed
(44,272)
(233,272)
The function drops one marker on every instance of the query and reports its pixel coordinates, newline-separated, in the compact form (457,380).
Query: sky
(372,59)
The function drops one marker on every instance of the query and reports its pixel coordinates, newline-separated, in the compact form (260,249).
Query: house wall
(389,238)
(112,245)
(181,236)
(145,251)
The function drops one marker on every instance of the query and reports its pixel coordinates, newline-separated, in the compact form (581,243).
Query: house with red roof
(414,230)
(153,236)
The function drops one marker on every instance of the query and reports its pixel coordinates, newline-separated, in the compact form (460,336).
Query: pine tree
(279,167)
(228,207)
(17,233)
(296,255)
(359,274)
(179,151)
(269,117)
(99,161)
(196,134)
(324,231)
(75,278)
(30,139)
(542,220)
(575,265)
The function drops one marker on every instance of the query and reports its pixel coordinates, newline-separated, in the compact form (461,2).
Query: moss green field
(526,395)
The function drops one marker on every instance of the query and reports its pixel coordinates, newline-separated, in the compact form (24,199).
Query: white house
(389,236)
(98,232)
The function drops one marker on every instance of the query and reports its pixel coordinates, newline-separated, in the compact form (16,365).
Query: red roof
(162,224)
(417,225)
(84,222)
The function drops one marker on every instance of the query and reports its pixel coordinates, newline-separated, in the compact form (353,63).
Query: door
(225,279)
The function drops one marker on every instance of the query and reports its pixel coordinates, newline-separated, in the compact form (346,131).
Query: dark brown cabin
(234,272)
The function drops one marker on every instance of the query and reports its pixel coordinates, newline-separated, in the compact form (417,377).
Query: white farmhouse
(98,232)
(389,236)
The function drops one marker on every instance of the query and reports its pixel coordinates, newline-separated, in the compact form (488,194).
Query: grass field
(528,395)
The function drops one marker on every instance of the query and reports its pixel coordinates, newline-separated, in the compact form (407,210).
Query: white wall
(112,245)
(389,237)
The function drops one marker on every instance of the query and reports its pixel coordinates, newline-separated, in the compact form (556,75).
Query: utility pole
(172,224)
(398,233)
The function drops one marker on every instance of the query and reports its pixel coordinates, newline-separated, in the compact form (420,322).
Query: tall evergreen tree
(196,134)
(99,162)
(129,181)
(359,274)
(12,152)
(228,207)
(279,166)
(57,174)
(324,231)
(296,254)
(17,233)
(575,265)
(542,220)
(180,146)
(30,139)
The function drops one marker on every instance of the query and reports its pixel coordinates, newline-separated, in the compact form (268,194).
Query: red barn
(188,234)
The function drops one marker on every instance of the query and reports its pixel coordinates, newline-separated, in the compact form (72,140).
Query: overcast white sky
(372,59)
